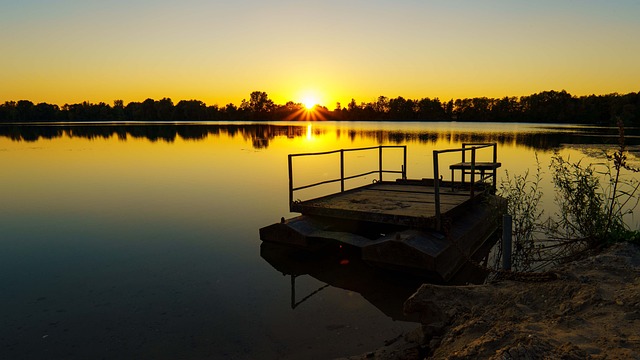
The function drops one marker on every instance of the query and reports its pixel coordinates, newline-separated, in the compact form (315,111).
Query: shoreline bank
(591,311)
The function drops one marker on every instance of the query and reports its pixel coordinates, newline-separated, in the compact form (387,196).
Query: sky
(327,51)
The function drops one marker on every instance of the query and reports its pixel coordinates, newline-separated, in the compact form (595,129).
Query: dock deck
(403,202)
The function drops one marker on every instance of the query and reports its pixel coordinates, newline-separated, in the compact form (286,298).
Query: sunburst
(309,103)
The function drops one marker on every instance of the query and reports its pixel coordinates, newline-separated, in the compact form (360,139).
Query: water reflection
(531,136)
(344,270)
(145,236)
(260,135)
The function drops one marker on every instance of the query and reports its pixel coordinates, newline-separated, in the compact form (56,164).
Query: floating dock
(424,227)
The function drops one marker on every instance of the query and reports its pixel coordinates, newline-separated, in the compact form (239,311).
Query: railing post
(380,162)
(404,167)
(436,188)
(495,152)
(341,170)
(495,160)
(473,169)
(464,155)
(290,183)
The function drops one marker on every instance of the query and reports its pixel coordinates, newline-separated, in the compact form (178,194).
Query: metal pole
(404,168)
(436,188)
(341,170)
(506,241)
(290,182)
(495,170)
(380,161)
(464,154)
(495,152)
(473,169)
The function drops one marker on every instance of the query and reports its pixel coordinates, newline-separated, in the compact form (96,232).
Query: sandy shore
(592,311)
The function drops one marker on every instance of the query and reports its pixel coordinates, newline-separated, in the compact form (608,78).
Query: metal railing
(342,177)
(472,147)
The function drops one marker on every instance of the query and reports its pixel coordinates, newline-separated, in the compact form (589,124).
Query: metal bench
(486,169)
(483,168)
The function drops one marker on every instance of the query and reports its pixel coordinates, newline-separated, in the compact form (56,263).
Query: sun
(309,103)
(308,107)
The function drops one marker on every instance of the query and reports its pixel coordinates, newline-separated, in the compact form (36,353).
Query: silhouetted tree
(190,110)
(118,110)
(24,110)
(259,104)
(45,112)
(8,111)
(164,109)
(506,109)
(381,105)
(213,113)
(431,110)
(549,106)
(401,109)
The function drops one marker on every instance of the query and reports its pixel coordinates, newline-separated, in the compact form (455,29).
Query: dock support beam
(506,241)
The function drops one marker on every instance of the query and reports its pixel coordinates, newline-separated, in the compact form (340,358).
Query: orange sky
(69,52)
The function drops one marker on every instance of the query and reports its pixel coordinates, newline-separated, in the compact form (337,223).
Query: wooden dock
(421,226)
(408,203)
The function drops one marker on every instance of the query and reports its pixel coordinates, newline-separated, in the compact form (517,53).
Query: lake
(137,241)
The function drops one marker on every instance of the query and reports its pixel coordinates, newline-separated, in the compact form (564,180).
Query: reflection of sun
(309,132)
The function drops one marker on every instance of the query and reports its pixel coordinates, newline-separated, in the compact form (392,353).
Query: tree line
(546,106)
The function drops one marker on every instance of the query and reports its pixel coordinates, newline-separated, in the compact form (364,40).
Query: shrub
(593,201)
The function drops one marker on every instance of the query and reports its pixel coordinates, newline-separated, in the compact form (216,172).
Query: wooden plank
(478,165)
(413,197)
(364,199)
(445,189)
(389,208)
(371,216)
(382,202)
(373,197)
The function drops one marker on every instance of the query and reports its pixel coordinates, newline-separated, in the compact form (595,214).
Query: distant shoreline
(545,107)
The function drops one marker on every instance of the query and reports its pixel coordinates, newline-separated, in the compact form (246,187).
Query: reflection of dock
(344,270)
(424,227)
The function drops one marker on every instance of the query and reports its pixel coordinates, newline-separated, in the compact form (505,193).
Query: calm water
(134,241)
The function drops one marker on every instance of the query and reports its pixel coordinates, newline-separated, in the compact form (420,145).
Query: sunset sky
(220,51)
